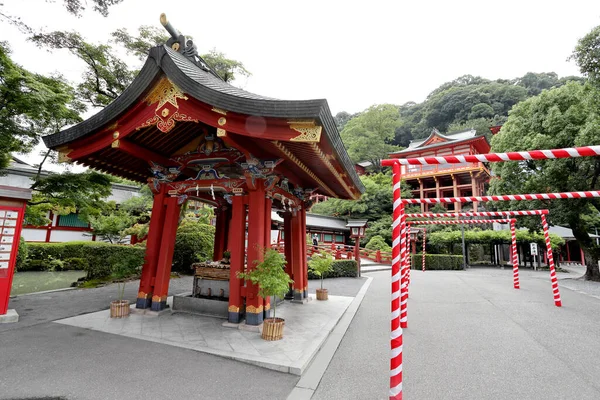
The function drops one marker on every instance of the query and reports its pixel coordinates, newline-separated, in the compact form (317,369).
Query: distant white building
(63,228)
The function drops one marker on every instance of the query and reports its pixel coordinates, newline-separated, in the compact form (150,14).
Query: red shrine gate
(191,135)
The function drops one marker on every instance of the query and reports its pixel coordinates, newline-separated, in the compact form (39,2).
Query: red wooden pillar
(287,242)
(237,239)
(256,245)
(157,220)
(165,257)
(220,233)
(304,260)
(297,255)
(582,256)
(267,221)
(568,251)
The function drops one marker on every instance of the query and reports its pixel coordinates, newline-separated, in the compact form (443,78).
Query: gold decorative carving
(268,307)
(116,135)
(302,166)
(222,121)
(235,309)
(165,95)
(63,156)
(221,132)
(142,295)
(308,134)
(115,144)
(165,92)
(254,310)
(219,111)
(175,46)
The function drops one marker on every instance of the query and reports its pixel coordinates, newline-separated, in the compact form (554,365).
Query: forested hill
(466,102)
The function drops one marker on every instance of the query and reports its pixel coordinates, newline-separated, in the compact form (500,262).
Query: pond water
(35,281)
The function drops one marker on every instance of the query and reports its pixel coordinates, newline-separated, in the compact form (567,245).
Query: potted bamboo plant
(122,268)
(272,280)
(319,265)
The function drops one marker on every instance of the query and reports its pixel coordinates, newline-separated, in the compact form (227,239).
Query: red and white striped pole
(509,197)
(505,214)
(424,241)
(553,279)
(397,249)
(515,258)
(408,265)
(460,222)
(587,151)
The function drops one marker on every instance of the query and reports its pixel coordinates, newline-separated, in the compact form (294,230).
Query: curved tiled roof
(207,88)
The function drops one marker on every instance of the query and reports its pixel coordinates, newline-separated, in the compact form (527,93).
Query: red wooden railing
(344,252)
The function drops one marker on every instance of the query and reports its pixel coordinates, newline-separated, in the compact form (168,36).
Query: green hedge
(98,259)
(22,255)
(341,268)
(437,262)
(194,243)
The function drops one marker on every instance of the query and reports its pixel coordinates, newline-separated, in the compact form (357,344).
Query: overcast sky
(353,53)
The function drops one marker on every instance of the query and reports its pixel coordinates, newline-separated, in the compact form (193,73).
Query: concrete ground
(43,359)
(471,336)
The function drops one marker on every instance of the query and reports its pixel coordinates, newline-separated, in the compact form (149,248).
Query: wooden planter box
(119,308)
(208,272)
(322,294)
(273,329)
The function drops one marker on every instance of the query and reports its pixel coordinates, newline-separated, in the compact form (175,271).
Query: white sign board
(534,249)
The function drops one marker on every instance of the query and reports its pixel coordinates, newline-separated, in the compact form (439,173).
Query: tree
(557,118)
(68,193)
(368,136)
(587,55)
(112,227)
(374,205)
(31,105)
(106,75)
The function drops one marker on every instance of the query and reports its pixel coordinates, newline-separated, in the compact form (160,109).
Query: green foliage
(112,227)
(470,102)
(68,193)
(31,105)
(106,76)
(270,276)
(563,117)
(438,262)
(587,55)
(378,243)
(194,242)
(375,205)
(368,135)
(491,237)
(22,255)
(321,264)
(97,258)
(340,269)
(226,68)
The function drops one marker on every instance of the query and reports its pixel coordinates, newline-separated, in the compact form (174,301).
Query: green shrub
(22,255)
(194,242)
(437,262)
(377,242)
(34,265)
(341,268)
(75,264)
(96,258)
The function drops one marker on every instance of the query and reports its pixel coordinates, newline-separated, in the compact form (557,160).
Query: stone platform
(307,326)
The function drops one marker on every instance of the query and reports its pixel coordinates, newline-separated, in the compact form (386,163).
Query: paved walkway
(471,336)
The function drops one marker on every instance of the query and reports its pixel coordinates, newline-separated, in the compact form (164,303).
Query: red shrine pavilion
(190,135)
(446,180)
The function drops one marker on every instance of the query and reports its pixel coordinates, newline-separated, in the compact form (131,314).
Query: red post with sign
(12,209)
